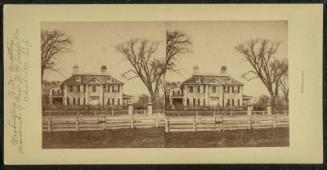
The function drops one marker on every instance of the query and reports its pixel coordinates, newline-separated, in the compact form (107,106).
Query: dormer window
(78,78)
(109,80)
(197,79)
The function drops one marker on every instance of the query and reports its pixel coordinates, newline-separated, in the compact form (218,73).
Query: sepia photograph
(188,84)
(164,84)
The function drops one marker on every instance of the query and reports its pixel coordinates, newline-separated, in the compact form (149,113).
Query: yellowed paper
(302,25)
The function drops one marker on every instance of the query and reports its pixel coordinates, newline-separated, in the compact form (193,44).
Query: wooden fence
(171,123)
(221,122)
(100,122)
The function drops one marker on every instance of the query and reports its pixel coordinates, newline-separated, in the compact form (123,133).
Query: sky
(213,45)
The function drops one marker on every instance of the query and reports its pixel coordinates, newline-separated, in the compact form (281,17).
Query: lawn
(157,138)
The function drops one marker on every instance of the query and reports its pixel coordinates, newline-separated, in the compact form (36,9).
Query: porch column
(87,94)
(184,95)
(65,95)
(221,91)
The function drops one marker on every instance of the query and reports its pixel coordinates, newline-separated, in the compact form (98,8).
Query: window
(67,100)
(228,89)
(204,102)
(118,102)
(232,102)
(213,89)
(84,88)
(113,101)
(108,88)
(238,102)
(94,88)
(187,102)
(198,89)
(199,102)
(194,102)
(78,88)
(228,102)
(70,88)
(73,100)
(118,87)
(204,89)
(108,102)
(58,91)
(238,89)
(84,101)
(78,101)
(225,89)
(52,91)
(78,78)
(191,89)
(197,79)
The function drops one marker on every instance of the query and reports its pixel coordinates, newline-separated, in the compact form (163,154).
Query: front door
(95,100)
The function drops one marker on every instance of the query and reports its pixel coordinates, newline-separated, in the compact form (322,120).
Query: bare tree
(260,53)
(177,43)
(53,43)
(284,86)
(140,54)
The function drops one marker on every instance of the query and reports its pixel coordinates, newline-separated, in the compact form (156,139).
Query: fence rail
(100,122)
(216,122)
(221,123)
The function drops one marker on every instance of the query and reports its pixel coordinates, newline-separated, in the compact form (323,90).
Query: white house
(209,90)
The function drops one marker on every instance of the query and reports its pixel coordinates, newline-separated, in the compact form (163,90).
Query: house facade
(90,89)
(208,90)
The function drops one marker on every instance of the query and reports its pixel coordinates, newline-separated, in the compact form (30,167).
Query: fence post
(132,122)
(49,124)
(194,124)
(250,122)
(249,110)
(222,123)
(150,108)
(105,123)
(249,113)
(273,117)
(157,121)
(167,124)
(77,123)
(130,109)
(269,108)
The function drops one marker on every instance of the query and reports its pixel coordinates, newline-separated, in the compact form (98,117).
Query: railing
(100,122)
(113,112)
(103,120)
(221,123)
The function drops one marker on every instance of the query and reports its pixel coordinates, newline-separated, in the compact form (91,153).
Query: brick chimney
(223,70)
(103,69)
(75,69)
(196,70)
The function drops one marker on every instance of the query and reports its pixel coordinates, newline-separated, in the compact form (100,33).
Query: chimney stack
(75,69)
(195,70)
(103,69)
(223,70)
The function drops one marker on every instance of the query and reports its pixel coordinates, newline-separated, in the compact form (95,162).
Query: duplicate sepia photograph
(173,84)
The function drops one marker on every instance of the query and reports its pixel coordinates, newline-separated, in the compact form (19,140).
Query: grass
(157,138)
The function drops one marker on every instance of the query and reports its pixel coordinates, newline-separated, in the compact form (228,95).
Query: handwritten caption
(18,97)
